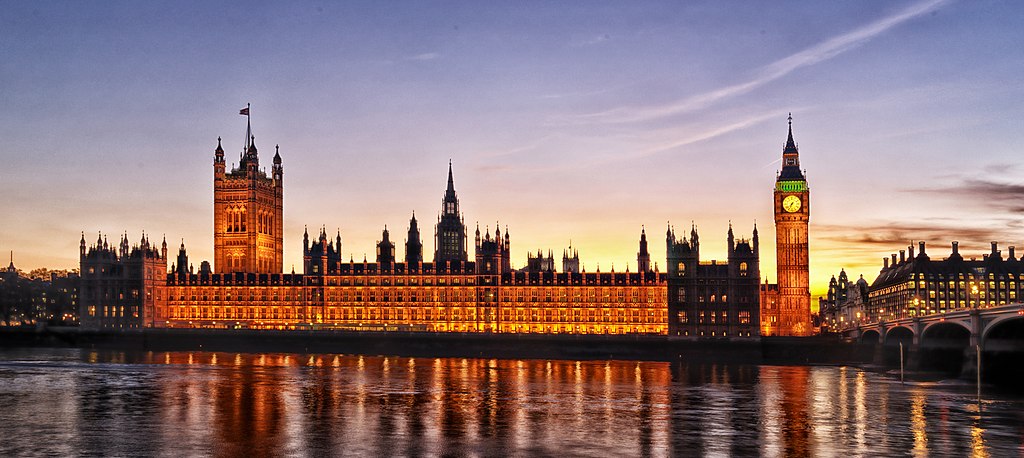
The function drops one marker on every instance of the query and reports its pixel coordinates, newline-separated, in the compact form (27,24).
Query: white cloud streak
(778,69)
(425,56)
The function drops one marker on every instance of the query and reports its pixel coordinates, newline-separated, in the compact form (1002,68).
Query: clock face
(791,204)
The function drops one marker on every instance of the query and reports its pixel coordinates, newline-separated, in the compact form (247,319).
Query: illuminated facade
(917,285)
(790,315)
(712,299)
(246,288)
(248,212)
(131,287)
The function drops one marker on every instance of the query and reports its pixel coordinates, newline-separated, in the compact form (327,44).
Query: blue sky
(575,121)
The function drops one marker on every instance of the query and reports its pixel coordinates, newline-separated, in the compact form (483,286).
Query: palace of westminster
(130,285)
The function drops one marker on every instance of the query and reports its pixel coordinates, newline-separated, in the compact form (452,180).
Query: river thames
(70,402)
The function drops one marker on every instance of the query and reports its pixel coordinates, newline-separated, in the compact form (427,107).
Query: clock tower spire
(792,214)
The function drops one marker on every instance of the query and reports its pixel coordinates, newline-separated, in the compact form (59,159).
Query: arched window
(743,269)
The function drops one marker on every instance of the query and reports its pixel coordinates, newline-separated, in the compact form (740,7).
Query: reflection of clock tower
(792,212)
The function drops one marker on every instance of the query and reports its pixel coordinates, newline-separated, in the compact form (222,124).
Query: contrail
(778,69)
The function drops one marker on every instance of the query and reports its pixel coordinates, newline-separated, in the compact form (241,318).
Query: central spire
(790,144)
(451,200)
(451,181)
(790,158)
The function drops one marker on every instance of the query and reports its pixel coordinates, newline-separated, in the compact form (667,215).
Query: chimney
(1011,254)
(956,248)
(995,250)
(885,263)
(910,251)
(903,256)
(920,246)
(894,259)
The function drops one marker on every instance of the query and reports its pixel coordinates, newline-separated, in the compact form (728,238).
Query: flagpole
(248,126)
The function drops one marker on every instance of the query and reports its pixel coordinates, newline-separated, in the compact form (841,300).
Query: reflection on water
(72,402)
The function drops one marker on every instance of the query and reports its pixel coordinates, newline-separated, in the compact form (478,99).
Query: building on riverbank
(911,285)
(129,286)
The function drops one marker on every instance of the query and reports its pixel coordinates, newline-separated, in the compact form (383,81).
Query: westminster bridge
(951,341)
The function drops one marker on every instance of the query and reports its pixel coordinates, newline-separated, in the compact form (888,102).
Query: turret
(337,243)
(277,170)
(731,241)
(385,249)
(218,161)
(182,261)
(305,240)
(413,245)
(643,257)
(756,245)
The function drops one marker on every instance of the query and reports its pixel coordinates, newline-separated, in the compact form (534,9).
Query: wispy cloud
(821,52)
(986,192)
(424,56)
(705,134)
(590,41)
(882,238)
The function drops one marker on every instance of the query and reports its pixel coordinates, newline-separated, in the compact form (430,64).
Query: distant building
(40,296)
(570,260)
(844,304)
(541,263)
(915,285)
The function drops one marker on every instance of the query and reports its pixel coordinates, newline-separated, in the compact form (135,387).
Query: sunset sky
(566,121)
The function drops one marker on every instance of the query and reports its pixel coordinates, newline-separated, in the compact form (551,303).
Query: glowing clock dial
(791,204)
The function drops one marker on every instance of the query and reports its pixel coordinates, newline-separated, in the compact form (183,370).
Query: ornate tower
(450,232)
(385,249)
(413,246)
(248,223)
(643,257)
(792,213)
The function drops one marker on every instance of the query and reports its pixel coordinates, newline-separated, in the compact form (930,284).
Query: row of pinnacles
(117,282)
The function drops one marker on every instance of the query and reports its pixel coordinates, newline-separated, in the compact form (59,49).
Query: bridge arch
(1002,343)
(937,328)
(942,346)
(1000,323)
(870,336)
(899,334)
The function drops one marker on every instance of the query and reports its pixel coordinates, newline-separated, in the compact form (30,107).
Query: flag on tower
(244,111)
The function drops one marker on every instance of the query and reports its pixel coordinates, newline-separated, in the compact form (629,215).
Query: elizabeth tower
(792,213)
(248,224)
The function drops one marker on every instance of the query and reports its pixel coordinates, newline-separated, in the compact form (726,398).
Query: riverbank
(765,350)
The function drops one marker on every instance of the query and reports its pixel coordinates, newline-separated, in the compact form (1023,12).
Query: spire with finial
(451,180)
(790,158)
(790,144)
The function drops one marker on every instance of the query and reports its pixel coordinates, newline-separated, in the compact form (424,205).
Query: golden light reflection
(299,406)
(861,411)
(978,448)
(918,424)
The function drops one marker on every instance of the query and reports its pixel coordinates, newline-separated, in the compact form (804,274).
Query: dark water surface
(60,402)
